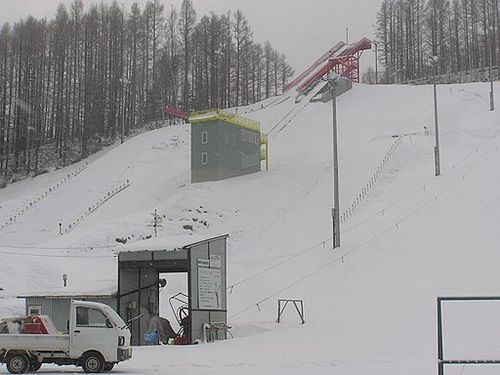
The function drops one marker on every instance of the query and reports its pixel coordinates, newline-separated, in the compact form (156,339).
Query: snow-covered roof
(167,244)
(54,295)
(106,291)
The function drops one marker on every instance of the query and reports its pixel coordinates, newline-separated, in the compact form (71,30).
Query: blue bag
(152,337)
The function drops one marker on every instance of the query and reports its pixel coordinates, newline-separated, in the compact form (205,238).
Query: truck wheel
(17,363)
(109,366)
(93,363)
(34,366)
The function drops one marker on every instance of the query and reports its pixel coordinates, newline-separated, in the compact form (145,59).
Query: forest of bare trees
(89,76)
(419,38)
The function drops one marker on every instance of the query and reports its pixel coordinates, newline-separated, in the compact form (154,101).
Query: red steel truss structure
(331,52)
(346,64)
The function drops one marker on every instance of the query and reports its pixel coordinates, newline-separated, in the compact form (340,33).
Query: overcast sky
(301,29)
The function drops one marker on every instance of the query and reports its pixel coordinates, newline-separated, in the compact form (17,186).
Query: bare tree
(73,84)
(186,23)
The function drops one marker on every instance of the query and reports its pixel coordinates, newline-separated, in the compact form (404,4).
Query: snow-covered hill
(370,305)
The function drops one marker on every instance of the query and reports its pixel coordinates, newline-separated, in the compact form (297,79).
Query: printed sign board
(209,289)
(203,263)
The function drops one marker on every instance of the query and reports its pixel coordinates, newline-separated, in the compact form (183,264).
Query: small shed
(224,145)
(56,304)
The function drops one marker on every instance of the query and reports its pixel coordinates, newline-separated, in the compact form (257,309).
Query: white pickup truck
(97,339)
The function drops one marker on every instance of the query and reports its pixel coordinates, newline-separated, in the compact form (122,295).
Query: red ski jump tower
(342,58)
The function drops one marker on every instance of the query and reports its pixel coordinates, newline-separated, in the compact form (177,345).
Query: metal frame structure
(441,360)
(330,53)
(346,64)
(296,303)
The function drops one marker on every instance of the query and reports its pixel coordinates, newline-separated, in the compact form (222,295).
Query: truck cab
(95,327)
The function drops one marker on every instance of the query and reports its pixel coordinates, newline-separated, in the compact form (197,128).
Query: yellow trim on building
(264,151)
(207,116)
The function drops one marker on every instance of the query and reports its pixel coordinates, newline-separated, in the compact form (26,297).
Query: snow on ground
(370,304)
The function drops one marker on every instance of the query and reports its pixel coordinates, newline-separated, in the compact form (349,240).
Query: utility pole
(336,198)
(156,222)
(437,161)
(347,35)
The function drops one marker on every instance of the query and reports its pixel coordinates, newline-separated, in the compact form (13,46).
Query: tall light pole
(333,82)
(437,159)
(492,95)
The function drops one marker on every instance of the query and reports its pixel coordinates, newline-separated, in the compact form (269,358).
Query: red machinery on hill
(175,112)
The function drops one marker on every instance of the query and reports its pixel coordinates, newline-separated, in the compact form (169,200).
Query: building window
(204,137)
(204,158)
(34,310)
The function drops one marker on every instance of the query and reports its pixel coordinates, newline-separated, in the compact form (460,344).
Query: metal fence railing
(31,203)
(469,76)
(349,211)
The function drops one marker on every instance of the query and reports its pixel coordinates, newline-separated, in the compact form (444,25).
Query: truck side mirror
(108,323)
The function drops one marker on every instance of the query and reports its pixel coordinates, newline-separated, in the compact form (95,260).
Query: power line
(275,265)
(354,249)
(4,249)
(395,203)
(57,248)
(58,256)
(339,258)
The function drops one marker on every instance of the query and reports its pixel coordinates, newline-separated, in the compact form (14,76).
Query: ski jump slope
(370,304)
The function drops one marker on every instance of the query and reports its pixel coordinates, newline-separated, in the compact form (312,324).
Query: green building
(224,146)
